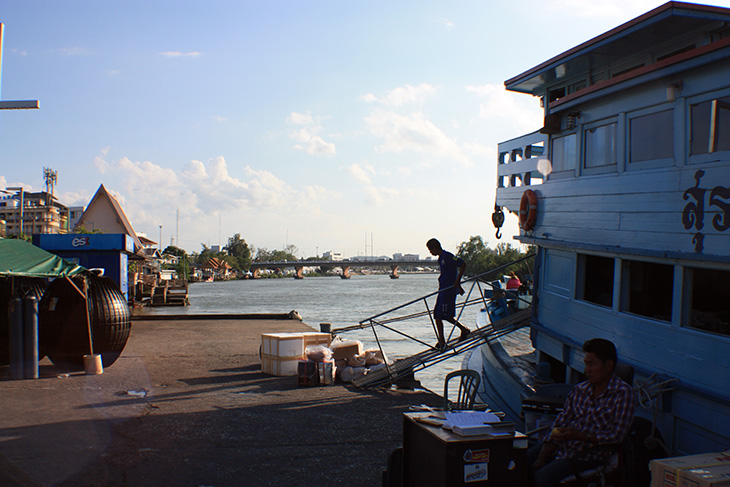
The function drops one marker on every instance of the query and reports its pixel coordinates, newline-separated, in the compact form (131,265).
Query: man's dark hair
(604,349)
(433,244)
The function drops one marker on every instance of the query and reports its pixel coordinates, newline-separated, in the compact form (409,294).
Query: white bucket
(92,364)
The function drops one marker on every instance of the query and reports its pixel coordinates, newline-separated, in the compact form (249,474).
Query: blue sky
(323,124)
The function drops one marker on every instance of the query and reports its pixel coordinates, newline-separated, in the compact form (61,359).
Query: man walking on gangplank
(452,269)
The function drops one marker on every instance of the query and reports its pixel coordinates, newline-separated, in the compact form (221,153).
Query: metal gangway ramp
(481,292)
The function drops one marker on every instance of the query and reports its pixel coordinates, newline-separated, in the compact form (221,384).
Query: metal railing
(481,291)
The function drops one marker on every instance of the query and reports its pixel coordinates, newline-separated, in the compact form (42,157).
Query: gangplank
(406,367)
(493,299)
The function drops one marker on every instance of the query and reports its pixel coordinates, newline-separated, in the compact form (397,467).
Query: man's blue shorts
(445,304)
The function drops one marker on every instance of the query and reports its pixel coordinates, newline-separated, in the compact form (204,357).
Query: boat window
(710,126)
(600,146)
(564,153)
(595,279)
(647,289)
(651,137)
(709,294)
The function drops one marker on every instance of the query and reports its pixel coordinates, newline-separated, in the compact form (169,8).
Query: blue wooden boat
(625,193)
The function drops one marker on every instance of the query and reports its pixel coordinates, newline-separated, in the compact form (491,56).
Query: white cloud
(150,193)
(100,161)
(300,118)
(361,174)
(446,22)
(413,133)
(180,54)
(500,105)
(403,95)
(309,141)
(377,196)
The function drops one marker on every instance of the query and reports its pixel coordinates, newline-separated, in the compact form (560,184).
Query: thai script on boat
(694,212)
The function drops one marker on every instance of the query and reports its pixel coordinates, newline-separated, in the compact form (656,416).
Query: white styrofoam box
(283,345)
(280,366)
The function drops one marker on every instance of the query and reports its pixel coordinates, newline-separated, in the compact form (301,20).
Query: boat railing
(517,163)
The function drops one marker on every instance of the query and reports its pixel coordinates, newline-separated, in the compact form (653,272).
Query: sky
(360,127)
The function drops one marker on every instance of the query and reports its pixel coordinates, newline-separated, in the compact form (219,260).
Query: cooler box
(281,353)
(706,470)
(283,344)
(281,366)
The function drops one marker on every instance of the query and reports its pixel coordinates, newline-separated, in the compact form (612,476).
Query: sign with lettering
(693,216)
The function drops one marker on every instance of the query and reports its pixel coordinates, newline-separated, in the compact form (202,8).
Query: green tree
(478,257)
(176,251)
(240,251)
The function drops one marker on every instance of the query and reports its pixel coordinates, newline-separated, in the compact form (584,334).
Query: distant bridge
(346,265)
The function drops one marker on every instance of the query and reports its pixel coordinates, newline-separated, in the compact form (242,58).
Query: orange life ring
(528,210)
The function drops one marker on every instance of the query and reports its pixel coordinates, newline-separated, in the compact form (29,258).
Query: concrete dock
(186,404)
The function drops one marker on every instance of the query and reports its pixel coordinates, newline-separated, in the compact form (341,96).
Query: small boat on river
(625,194)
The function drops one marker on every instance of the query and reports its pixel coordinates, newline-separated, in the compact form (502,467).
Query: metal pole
(30,338)
(16,338)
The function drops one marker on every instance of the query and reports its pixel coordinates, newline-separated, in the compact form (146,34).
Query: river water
(341,302)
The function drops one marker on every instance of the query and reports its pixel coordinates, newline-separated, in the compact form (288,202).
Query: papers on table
(469,423)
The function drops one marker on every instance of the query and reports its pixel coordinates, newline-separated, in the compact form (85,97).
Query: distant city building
(33,213)
(74,215)
(215,248)
(329,255)
(370,258)
(399,256)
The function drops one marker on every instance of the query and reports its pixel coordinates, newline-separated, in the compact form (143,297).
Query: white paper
(469,418)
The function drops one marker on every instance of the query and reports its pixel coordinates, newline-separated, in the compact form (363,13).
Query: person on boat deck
(513,282)
(598,411)
(451,269)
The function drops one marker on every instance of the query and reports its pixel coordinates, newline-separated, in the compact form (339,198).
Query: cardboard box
(716,476)
(312,339)
(668,472)
(346,349)
(283,345)
(308,373)
(280,366)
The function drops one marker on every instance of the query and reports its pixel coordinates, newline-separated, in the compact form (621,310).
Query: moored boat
(625,193)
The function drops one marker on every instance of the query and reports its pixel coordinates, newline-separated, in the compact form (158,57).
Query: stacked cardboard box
(281,352)
(706,470)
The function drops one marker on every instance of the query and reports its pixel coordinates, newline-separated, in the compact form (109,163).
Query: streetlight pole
(160,244)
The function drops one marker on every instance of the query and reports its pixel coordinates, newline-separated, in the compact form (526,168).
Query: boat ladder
(405,368)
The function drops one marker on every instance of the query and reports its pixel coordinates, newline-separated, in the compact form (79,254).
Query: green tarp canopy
(20,258)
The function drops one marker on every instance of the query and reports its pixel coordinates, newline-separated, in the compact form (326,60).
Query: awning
(20,258)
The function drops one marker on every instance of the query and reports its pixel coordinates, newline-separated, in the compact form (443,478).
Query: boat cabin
(625,191)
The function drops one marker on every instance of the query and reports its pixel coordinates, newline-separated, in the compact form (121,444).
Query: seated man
(597,411)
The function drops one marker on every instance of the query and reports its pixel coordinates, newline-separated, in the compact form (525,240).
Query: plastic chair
(469,381)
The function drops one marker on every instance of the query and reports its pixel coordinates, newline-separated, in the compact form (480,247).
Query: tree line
(240,255)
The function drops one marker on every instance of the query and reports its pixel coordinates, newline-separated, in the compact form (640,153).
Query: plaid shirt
(607,417)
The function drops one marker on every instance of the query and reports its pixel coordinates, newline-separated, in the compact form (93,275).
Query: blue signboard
(93,251)
(91,241)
